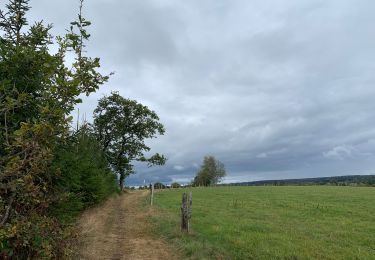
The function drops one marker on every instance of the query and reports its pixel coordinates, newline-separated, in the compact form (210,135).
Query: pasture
(314,222)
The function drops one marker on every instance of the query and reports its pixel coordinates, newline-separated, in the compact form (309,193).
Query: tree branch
(7,212)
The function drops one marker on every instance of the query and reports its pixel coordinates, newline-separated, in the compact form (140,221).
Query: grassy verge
(315,222)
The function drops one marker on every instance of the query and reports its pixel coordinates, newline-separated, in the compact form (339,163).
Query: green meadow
(301,222)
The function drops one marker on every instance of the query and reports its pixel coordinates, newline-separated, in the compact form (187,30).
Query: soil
(120,229)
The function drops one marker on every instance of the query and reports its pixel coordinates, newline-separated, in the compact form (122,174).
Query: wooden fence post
(186,206)
(152,194)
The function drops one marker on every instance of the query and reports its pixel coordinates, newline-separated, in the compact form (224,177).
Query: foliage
(84,176)
(317,222)
(210,173)
(175,185)
(351,180)
(145,187)
(122,126)
(159,185)
(38,91)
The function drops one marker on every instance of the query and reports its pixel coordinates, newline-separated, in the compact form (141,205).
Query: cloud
(274,89)
(178,167)
(339,152)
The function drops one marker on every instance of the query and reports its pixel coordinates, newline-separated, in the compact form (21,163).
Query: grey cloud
(274,89)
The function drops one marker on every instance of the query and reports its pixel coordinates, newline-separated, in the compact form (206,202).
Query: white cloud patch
(339,152)
(179,168)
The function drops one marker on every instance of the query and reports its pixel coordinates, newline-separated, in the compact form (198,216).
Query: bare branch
(7,212)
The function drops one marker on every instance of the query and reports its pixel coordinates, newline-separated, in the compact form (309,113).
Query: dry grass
(120,229)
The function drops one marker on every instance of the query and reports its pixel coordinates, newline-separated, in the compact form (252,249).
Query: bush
(159,185)
(175,185)
(47,174)
(84,177)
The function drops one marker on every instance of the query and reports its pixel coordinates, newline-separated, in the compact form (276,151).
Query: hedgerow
(48,173)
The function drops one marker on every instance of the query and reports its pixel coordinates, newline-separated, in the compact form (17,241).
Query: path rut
(120,229)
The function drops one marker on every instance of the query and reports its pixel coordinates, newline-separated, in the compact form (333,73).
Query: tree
(175,185)
(84,178)
(122,126)
(210,173)
(38,91)
(159,186)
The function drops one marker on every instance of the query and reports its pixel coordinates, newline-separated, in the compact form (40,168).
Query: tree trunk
(121,182)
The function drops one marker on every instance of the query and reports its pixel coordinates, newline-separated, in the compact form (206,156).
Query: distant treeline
(352,180)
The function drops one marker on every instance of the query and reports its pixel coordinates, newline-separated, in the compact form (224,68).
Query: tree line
(210,173)
(350,180)
(50,172)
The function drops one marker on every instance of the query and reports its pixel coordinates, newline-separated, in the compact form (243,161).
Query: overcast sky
(274,88)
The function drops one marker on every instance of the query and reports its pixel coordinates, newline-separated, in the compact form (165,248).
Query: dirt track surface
(120,229)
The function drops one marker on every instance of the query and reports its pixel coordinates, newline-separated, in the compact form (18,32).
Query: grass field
(317,222)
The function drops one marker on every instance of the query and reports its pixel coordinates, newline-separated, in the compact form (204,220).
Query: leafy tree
(84,177)
(122,126)
(210,173)
(38,91)
(159,186)
(175,185)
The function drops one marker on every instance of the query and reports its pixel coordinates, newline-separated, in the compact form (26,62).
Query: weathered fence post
(187,202)
(152,194)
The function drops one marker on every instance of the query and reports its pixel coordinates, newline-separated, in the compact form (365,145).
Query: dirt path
(119,229)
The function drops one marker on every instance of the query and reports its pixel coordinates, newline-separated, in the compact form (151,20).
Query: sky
(274,89)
